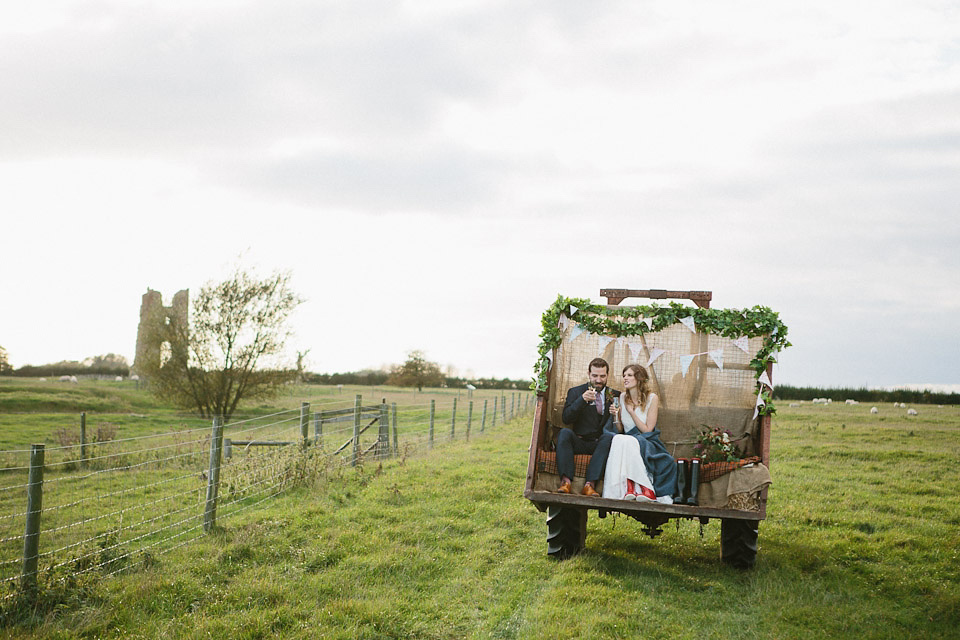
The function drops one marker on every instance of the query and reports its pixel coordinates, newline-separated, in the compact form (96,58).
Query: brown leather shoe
(589,491)
(564,487)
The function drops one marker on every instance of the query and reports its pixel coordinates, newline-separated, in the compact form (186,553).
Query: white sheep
(874,410)
(849,401)
(119,379)
(911,412)
(794,404)
(73,379)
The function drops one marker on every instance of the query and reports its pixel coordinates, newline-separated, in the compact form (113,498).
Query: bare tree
(232,347)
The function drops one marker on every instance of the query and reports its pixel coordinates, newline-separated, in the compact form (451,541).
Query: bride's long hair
(643,388)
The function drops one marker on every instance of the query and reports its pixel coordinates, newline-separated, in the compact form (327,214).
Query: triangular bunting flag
(743,344)
(563,322)
(774,355)
(765,379)
(573,310)
(685,363)
(760,403)
(575,332)
(649,323)
(635,348)
(689,323)
(655,353)
(604,341)
(620,341)
(717,356)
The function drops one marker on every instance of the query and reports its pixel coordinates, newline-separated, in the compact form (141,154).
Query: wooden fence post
(83,439)
(305,424)
(317,427)
(213,476)
(227,448)
(483,421)
(503,408)
(453,419)
(356,430)
(513,404)
(494,422)
(469,417)
(31,535)
(396,445)
(383,439)
(433,410)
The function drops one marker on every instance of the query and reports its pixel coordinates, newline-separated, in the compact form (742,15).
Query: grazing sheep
(794,404)
(911,412)
(42,380)
(134,377)
(874,410)
(849,401)
(119,379)
(73,379)
(64,378)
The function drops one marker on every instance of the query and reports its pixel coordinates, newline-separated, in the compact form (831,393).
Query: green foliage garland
(625,321)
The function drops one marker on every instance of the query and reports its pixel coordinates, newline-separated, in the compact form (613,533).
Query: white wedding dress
(625,461)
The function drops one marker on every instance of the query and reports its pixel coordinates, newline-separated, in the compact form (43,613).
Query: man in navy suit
(587,411)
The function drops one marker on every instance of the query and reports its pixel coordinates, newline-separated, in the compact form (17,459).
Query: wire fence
(109,506)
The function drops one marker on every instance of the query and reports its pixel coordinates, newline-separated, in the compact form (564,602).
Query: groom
(587,411)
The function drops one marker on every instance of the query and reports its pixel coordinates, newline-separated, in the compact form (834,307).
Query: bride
(639,466)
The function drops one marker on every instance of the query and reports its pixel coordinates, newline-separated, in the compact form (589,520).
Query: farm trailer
(709,367)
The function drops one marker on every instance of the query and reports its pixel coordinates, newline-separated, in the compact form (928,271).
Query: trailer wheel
(738,542)
(566,530)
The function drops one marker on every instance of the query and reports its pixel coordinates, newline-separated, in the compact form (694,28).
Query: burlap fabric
(706,395)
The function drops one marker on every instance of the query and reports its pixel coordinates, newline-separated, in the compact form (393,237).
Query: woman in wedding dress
(639,466)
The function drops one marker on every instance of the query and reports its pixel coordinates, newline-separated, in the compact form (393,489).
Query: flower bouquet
(716,445)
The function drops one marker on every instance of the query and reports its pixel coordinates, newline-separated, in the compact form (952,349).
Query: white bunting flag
(765,379)
(760,403)
(604,341)
(620,341)
(649,323)
(655,353)
(550,357)
(743,344)
(717,356)
(564,322)
(635,348)
(685,363)
(575,332)
(774,355)
(573,310)
(689,323)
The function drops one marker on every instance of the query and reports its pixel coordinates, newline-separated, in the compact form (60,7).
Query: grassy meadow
(861,540)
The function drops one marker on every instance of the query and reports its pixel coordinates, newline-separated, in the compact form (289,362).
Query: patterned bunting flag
(765,379)
(655,353)
(649,323)
(604,341)
(717,356)
(635,348)
(575,332)
(685,363)
(743,344)
(689,323)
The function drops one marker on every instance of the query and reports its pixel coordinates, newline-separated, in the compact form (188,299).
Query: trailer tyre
(738,542)
(564,535)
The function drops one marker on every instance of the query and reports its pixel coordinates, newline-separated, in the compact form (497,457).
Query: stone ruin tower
(155,332)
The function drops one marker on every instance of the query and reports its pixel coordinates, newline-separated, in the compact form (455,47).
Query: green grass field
(861,540)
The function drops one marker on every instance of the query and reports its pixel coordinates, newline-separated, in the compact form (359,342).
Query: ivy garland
(625,321)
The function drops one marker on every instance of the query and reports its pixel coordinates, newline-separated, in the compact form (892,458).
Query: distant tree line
(376,378)
(787,392)
(110,364)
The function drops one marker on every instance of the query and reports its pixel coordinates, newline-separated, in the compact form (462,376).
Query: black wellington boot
(680,497)
(694,482)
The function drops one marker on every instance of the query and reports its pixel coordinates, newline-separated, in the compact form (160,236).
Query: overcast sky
(434,173)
